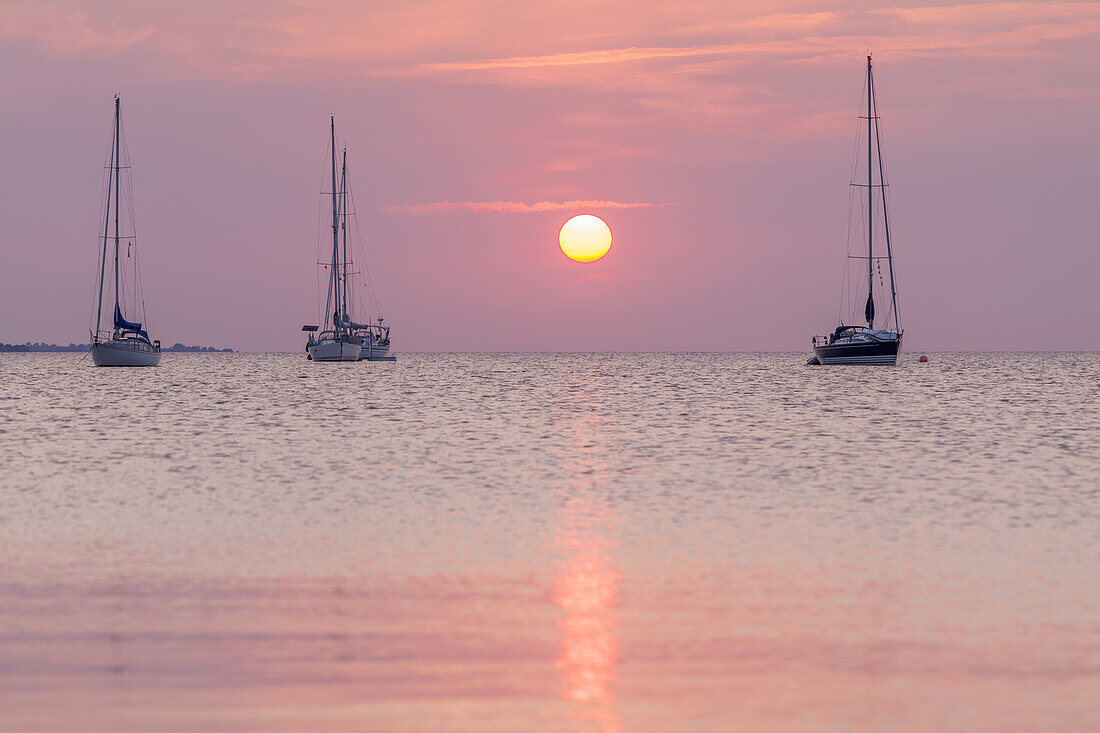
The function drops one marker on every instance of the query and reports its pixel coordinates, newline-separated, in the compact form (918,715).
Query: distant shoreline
(59,348)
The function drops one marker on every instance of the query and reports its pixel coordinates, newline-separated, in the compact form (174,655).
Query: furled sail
(869,311)
(123,325)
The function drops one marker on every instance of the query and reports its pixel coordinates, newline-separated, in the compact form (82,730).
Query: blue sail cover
(123,325)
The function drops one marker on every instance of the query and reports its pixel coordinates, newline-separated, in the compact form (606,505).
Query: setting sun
(585,238)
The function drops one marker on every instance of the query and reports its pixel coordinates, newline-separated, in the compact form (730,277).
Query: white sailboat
(346,340)
(126,343)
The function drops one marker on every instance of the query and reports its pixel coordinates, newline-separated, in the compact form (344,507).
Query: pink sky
(715,138)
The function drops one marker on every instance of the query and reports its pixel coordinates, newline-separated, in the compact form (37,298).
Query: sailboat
(373,338)
(126,343)
(346,340)
(866,344)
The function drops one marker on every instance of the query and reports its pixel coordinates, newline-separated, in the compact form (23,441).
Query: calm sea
(590,542)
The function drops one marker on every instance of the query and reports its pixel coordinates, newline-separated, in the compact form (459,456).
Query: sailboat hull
(125,353)
(872,352)
(375,352)
(334,351)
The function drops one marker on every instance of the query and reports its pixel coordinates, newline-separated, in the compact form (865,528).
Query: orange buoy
(923,359)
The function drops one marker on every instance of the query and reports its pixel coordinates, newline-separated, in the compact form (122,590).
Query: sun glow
(585,238)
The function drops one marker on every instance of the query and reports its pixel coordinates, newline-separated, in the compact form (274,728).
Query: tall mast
(869,311)
(344,224)
(335,225)
(886,216)
(117,160)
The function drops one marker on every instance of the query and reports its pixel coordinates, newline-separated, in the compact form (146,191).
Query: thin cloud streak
(67,31)
(581,58)
(510,207)
(790,22)
(1004,43)
(987,29)
(984,14)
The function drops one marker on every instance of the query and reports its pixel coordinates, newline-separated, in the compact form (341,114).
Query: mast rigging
(885,215)
(117,163)
(869,310)
(344,226)
(335,231)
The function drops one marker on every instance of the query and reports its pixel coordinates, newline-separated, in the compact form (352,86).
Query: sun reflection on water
(586,590)
(585,587)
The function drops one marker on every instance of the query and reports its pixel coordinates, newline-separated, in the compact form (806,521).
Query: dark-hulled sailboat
(866,344)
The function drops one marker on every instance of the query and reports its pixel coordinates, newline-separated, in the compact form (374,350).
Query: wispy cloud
(985,28)
(707,66)
(67,30)
(579,58)
(782,22)
(447,207)
(990,13)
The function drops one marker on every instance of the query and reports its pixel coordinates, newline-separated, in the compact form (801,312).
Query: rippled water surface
(597,542)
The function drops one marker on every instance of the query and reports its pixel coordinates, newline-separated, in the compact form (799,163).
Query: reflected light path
(585,586)
(586,591)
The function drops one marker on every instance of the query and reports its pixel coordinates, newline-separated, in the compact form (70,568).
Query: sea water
(550,542)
